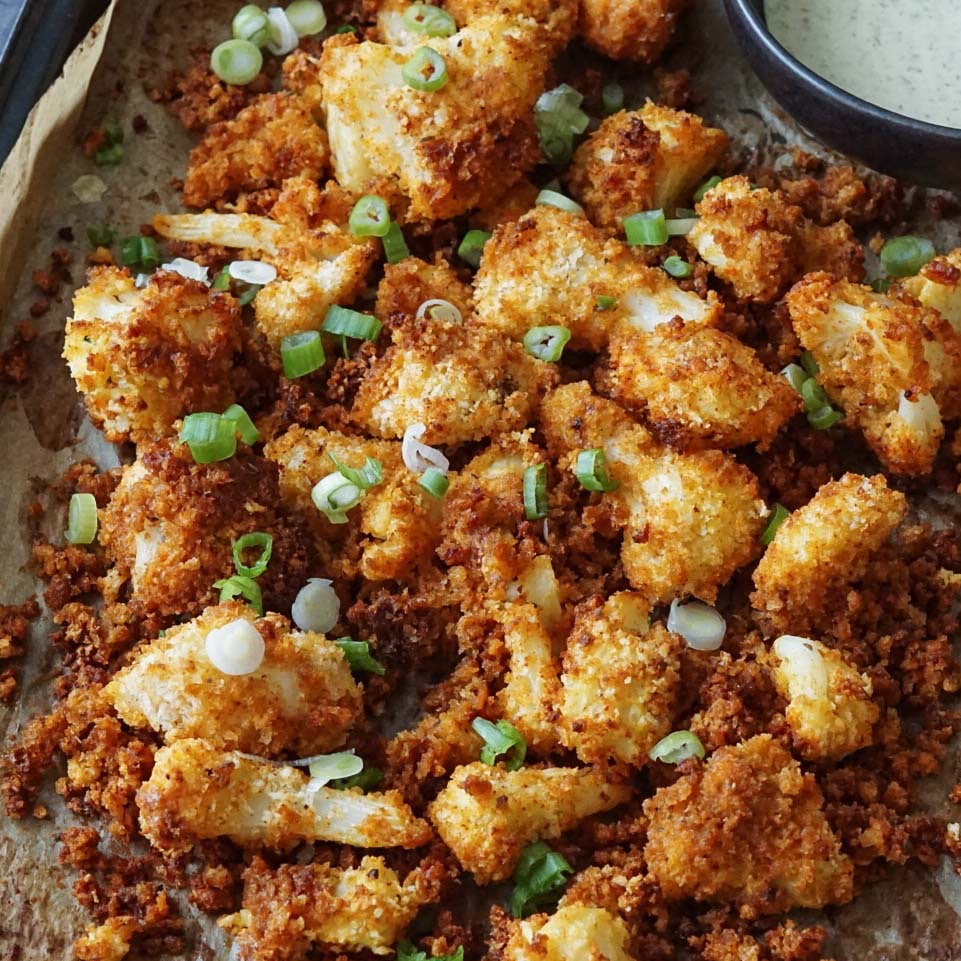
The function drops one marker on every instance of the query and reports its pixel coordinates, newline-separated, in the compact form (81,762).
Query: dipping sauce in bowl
(903,55)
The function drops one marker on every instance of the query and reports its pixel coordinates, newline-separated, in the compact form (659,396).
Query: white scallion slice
(236,648)
(88,189)
(699,624)
(442,310)
(552,198)
(82,519)
(419,457)
(283,36)
(332,767)
(677,747)
(307,17)
(334,495)
(252,272)
(187,268)
(316,606)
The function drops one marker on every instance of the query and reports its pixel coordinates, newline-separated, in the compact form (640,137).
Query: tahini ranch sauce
(904,55)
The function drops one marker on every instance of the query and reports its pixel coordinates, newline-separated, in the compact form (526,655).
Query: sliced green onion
(370,217)
(334,495)
(240,586)
(222,280)
(100,235)
(407,952)
(209,436)
(559,120)
(248,295)
(395,247)
(331,767)
(605,302)
(351,323)
(307,17)
(685,212)
(880,285)
(302,354)
(81,519)
(905,256)
(358,656)
(426,71)
(539,877)
(346,28)
(591,470)
(778,516)
(236,61)
(535,492)
(547,343)
(366,477)
(500,738)
(680,227)
(551,198)
(442,311)
(368,779)
(243,425)
(255,540)
(434,482)
(109,156)
(139,250)
(709,184)
(809,363)
(677,747)
(677,267)
(796,376)
(431,21)
(612,96)
(112,131)
(815,397)
(646,229)
(471,248)
(824,418)
(250,23)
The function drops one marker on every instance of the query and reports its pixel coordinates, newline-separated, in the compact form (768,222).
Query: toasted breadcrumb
(635,30)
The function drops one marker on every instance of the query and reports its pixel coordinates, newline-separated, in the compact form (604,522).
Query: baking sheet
(913,916)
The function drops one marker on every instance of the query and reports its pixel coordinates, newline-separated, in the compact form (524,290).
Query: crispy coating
(636,30)
(938,286)
(288,910)
(747,827)
(830,710)
(448,150)
(647,159)
(411,282)
(823,547)
(698,387)
(270,140)
(196,791)
(464,381)
(550,267)
(391,533)
(894,368)
(144,358)
(488,815)
(303,697)
(575,932)
(170,525)
(621,681)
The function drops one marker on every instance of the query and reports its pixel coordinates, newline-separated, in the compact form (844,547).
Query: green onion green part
(539,878)
(307,17)
(370,217)
(677,747)
(333,767)
(81,519)
(351,323)
(434,482)
(368,780)
(547,343)
(334,495)
(430,21)
(302,354)
(426,71)
(140,251)
(209,436)
(535,492)
(500,738)
(358,656)
(559,121)
(100,235)
(809,363)
(250,23)
(646,229)
(109,156)
(236,61)
(256,540)
(472,247)
(612,96)
(705,187)
(680,227)
(677,267)
(395,247)
(243,425)
(824,417)
(605,302)
(366,477)
(905,256)
(222,280)
(591,470)
(778,516)
(346,28)
(240,586)
(796,376)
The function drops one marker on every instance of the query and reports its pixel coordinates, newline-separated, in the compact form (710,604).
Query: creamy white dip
(904,55)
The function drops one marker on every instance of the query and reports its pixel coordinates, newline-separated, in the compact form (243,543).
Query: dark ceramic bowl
(922,152)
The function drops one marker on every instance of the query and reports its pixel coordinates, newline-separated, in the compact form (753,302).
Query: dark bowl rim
(752,16)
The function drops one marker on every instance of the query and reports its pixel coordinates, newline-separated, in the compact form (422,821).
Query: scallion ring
(254,272)
(243,425)
(471,248)
(334,495)
(500,738)
(426,71)
(395,246)
(366,477)
(81,519)
(332,767)
(709,184)
(209,436)
(307,17)
(241,586)
(547,343)
(434,482)
(341,321)
(440,310)
(430,21)
(302,354)
(612,96)
(905,256)
(283,37)
(591,470)
(778,516)
(824,417)
(358,656)
(676,747)
(551,198)
(370,217)
(677,267)
(419,457)
(316,606)
(236,62)
(605,302)
(809,363)
(680,227)
(796,376)
(250,23)
(257,540)
(648,228)
(535,492)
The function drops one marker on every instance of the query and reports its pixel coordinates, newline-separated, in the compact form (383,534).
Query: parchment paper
(912,916)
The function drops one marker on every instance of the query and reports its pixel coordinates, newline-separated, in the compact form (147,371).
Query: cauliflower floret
(698,387)
(488,815)
(289,909)
(893,367)
(302,698)
(821,548)
(448,150)
(550,267)
(306,238)
(938,287)
(412,282)
(830,710)
(621,681)
(196,791)
(463,380)
(636,30)
(170,525)
(270,140)
(646,159)
(144,358)
(747,827)
(395,527)
(575,932)
(758,242)
(690,520)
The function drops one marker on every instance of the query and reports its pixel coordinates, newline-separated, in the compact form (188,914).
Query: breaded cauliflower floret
(303,698)
(938,286)
(306,238)
(636,30)
(394,529)
(621,681)
(448,150)
(550,267)
(463,381)
(646,159)
(170,526)
(823,547)
(488,815)
(412,282)
(893,367)
(144,358)
(758,242)
(289,909)
(508,206)
(698,387)
(830,710)
(575,932)
(749,827)
(196,791)
(690,520)
(272,139)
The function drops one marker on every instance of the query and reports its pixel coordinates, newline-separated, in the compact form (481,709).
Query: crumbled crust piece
(575,932)
(748,827)
(636,30)
(303,698)
(144,358)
